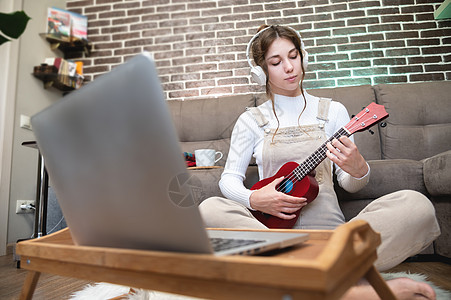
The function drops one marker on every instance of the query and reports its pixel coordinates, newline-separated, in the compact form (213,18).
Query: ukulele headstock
(370,115)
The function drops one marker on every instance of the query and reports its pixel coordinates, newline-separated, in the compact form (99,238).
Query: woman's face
(284,68)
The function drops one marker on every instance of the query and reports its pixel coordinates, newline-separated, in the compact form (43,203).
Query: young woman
(289,127)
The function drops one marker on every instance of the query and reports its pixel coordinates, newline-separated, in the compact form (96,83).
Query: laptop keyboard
(221,244)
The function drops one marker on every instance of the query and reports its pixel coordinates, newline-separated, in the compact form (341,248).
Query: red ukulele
(297,181)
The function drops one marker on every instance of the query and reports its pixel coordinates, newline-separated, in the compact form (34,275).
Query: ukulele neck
(311,162)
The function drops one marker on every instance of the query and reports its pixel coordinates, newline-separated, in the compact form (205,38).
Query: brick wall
(199,45)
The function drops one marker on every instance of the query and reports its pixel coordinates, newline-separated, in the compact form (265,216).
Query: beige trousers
(405,219)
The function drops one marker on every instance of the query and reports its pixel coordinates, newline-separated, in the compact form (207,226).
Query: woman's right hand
(268,200)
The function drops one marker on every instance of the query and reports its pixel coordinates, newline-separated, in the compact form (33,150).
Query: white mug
(207,157)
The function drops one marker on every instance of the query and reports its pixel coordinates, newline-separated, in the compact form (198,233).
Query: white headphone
(257,73)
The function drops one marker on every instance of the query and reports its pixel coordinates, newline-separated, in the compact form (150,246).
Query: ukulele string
(306,167)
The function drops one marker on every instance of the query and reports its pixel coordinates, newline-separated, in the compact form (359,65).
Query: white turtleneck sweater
(247,141)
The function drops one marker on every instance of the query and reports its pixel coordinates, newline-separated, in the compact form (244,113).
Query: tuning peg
(383,124)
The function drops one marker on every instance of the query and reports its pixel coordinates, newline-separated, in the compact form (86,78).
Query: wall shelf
(61,82)
(69,46)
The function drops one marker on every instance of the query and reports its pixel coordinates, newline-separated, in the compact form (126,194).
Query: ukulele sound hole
(286,186)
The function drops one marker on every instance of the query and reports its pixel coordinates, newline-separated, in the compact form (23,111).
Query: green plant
(12,25)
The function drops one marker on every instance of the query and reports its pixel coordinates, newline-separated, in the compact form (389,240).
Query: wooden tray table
(324,267)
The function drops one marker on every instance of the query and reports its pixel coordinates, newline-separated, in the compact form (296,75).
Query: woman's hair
(262,43)
(260,47)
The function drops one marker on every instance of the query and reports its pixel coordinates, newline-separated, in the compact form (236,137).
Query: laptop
(115,163)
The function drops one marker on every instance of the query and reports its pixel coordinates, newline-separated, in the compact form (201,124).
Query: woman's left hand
(345,154)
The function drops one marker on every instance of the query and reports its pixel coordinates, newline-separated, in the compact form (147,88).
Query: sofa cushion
(419,125)
(415,141)
(437,174)
(205,183)
(355,98)
(208,123)
(388,176)
(443,212)
(251,176)
(208,119)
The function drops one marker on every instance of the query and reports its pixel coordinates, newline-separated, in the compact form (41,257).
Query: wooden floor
(57,287)
(49,286)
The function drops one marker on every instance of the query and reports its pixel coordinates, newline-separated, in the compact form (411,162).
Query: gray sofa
(413,150)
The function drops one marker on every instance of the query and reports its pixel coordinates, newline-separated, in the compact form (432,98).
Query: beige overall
(404,231)
(296,144)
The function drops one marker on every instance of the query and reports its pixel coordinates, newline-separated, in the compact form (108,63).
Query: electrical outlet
(21,210)
(25,122)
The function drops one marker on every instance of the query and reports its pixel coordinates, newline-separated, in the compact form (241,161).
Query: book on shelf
(69,73)
(66,25)
(53,61)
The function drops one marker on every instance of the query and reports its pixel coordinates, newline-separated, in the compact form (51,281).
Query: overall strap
(258,116)
(323,111)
